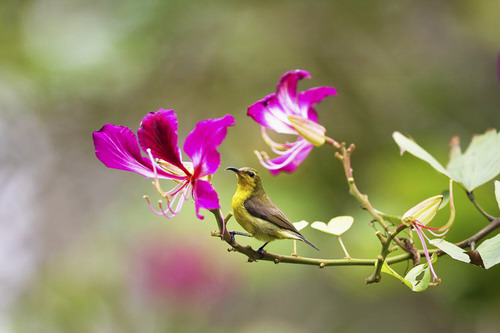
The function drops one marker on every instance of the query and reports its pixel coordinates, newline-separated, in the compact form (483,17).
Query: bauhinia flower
(117,147)
(418,217)
(289,112)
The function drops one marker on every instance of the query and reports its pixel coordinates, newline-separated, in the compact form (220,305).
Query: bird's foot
(261,250)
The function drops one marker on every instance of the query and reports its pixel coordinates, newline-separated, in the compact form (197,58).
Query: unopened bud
(423,212)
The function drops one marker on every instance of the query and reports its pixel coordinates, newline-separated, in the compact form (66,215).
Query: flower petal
(204,196)
(269,113)
(309,98)
(290,161)
(158,132)
(116,147)
(201,144)
(286,91)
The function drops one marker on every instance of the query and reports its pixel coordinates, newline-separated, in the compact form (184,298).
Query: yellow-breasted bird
(257,214)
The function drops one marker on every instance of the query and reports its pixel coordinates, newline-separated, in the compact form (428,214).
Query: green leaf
(337,225)
(414,279)
(479,164)
(497,192)
(406,144)
(419,277)
(388,270)
(490,251)
(451,249)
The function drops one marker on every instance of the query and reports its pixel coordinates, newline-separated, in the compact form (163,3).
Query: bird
(257,214)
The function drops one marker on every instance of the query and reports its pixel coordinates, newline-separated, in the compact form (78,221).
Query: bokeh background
(79,250)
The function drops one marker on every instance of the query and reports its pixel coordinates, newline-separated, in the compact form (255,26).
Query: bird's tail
(302,238)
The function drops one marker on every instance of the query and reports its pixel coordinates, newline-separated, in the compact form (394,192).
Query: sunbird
(257,214)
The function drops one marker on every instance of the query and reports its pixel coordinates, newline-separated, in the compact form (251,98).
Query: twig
(494,224)
(376,276)
(472,198)
(277,258)
(345,157)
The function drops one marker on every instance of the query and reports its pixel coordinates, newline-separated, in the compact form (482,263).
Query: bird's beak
(234,169)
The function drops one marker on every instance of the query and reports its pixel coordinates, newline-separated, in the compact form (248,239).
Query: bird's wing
(263,208)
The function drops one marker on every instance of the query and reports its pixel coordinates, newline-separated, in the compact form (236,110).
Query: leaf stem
(347,256)
(472,198)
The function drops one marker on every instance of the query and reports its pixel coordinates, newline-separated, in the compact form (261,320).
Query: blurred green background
(79,250)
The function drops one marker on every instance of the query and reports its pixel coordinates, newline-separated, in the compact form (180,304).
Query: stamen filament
(426,251)
(151,207)
(270,165)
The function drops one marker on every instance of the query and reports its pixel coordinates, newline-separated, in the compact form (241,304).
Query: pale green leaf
(300,225)
(337,225)
(497,192)
(406,144)
(490,251)
(479,164)
(451,249)
(340,224)
(321,226)
(419,277)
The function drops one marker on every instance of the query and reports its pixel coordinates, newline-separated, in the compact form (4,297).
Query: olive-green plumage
(257,214)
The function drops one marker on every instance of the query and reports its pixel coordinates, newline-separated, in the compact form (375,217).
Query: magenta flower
(289,112)
(117,147)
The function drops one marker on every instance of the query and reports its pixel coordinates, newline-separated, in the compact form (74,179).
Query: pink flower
(117,147)
(289,112)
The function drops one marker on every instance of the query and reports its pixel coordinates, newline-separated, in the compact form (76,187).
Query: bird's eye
(251,174)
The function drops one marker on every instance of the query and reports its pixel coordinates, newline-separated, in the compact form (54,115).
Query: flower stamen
(426,252)
(270,165)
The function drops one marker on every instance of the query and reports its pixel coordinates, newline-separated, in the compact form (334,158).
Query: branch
(345,157)
(376,276)
(494,224)
(278,258)
(472,198)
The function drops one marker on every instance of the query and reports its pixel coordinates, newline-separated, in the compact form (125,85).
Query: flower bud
(309,130)
(423,212)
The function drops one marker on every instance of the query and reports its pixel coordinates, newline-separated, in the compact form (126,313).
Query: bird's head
(248,178)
